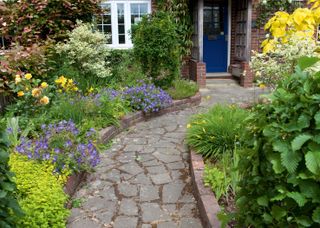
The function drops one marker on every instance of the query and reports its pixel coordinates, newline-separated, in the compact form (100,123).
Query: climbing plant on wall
(267,8)
(180,12)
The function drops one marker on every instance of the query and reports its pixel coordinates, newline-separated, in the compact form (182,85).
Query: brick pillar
(198,72)
(246,80)
(185,68)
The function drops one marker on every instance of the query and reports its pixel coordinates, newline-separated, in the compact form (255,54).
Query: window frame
(127,21)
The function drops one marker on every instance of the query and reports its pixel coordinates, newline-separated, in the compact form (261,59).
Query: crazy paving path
(143,179)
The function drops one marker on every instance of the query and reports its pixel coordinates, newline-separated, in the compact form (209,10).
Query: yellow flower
(18,76)
(36,92)
(17,80)
(90,90)
(20,93)
(262,86)
(188,125)
(28,76)
(44,85)
(61,80)
(44,100)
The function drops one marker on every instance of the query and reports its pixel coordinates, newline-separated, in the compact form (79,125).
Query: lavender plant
(61,143)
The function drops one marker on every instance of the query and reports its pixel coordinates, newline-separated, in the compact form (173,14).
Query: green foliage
(267,9)
(216,132)
(33,21)
(156,47)
(85,52)
(182,89)
(217,180)
(40,193)
(96,111)
(280,185)
(179,9)
(126,70)
(9,207)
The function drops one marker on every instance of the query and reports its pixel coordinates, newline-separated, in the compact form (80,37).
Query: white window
(118,17)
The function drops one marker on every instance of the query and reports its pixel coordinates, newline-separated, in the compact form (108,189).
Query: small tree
(156,46)
(32,21)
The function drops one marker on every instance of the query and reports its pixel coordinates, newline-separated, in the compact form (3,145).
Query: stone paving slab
(143,180)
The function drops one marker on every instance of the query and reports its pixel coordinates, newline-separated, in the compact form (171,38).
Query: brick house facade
(225,33)
(239,31)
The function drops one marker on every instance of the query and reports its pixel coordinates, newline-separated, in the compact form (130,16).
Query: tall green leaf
(290,160)
(305,62)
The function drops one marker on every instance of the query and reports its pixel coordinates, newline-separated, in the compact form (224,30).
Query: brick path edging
(108,133)
(207,202)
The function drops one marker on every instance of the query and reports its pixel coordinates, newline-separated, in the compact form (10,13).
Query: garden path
(143,179)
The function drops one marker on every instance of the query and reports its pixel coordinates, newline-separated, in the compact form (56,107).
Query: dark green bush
(126,70)
(156,47)
(182,89)
(9,207)
(281,167)
(216,132)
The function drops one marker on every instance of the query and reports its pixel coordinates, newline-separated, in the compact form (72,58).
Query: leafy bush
(182,89)
(281,167)
(40,192)
(147,98)
(60,143)
(33,21)
(9,207)
(270,68)
(126,70)
(216,132)
(156,47)
(86,52)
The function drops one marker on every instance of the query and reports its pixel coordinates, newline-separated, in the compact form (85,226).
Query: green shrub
(281,165)
(126,70)
(85,52)
(33,21)
(40,193)
(182,89)
(216,132)
(156,47)
(96,107)
(9,207)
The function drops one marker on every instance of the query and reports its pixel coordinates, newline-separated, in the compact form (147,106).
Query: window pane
(120,7)
(135,9)
(122,39)
(143,9)
(121,29)
(104,21)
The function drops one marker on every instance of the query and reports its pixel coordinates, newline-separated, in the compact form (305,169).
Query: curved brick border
(207,202)
(108,133)
(129,120)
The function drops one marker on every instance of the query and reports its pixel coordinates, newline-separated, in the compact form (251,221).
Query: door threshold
(218,75)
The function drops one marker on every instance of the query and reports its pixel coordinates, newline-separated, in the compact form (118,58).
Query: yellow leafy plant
(303,23)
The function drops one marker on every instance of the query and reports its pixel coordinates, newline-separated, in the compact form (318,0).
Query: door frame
(200,31)
(229,33)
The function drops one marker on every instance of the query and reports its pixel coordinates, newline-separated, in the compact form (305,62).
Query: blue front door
(215,35)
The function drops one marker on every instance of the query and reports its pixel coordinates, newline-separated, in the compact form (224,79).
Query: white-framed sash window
(118,17)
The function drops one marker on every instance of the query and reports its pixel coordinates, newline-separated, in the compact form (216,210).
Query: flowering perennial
(60,144)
